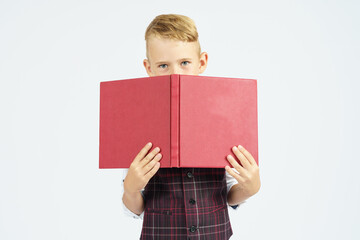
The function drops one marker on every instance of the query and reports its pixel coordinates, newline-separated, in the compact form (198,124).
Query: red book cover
(195,120)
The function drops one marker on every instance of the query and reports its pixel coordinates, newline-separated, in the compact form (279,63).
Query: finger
(149,157)
(152,172)
(247,155)
(152,163)
(244,162)
(143,152)
(234,174)
(236,165)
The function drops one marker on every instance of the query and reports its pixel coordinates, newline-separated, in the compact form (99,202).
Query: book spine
(174,118)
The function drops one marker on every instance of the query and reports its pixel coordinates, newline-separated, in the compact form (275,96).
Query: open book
(195,120)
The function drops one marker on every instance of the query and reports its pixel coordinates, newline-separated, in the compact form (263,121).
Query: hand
(142,169)
(248,177)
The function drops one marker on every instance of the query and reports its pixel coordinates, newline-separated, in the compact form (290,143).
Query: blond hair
(172,26)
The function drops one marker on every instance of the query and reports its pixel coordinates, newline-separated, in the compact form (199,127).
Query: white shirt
(230,181)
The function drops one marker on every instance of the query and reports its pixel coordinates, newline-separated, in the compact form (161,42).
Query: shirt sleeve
(126,211)
(231,181)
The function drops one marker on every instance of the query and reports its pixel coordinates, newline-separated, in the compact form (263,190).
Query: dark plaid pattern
(186,204)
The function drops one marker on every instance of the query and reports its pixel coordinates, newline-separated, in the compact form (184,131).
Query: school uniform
(186,203)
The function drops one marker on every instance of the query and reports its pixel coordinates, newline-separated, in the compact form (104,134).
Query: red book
(195,120)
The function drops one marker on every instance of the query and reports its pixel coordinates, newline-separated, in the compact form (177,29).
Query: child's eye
(163,66)
(184,63)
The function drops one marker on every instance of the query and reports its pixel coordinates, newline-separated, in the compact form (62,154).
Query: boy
(183,203)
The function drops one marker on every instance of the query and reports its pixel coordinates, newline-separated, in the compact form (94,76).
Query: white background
(304,54)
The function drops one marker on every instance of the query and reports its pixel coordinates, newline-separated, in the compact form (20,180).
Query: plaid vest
(186,203)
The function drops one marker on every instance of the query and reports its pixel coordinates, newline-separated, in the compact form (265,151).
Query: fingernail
(234,148)
(149,144)
(240,146)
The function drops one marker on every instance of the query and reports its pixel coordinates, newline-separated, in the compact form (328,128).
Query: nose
(176,70)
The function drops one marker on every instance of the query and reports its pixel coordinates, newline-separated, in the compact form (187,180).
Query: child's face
(167,56)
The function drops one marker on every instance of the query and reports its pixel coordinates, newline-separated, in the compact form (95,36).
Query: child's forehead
(165,47)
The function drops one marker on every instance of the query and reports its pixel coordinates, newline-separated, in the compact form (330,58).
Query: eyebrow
(162,62)
(180,60)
